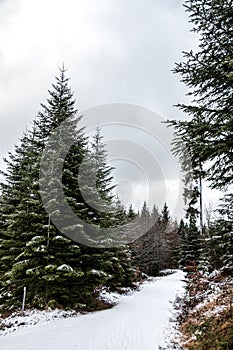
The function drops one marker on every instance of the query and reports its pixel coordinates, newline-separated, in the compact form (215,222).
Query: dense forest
(41,248)
(56,271)
(58,260)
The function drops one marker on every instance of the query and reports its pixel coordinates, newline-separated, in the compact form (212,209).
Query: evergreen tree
(96,182)
(17,202)
(145,211)
(169,239)
(131,213)
(144,218)
(45,261)
(182,231)
(206,137)
(211,249)
(102,170)
(165,216)
(120,212)
(209,73)
(154,214)
(192,252)
(225,228)
(190,234)
(113,265)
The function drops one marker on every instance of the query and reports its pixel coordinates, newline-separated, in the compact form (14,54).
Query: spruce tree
(17,202)
(154,215)
(131,213)
(225,228)
(207,135)
(145,218)
(96,178)
(209,73)
(165,216)
(45,261)
(182,231)
(111,266)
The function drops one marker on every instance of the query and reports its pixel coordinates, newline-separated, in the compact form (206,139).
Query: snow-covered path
(138,322)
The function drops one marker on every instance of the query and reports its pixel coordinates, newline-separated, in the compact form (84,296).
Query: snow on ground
(139,322)
(113,297)
(32,317)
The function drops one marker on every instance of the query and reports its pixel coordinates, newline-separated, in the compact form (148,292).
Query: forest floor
(139,321)
(206,321)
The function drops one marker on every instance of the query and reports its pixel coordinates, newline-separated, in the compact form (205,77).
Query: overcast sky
(116,51)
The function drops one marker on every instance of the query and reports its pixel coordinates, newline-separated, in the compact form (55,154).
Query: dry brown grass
(207,319)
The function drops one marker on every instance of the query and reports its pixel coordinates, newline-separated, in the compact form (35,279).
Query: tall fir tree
(112,265)
(209,73)
(45,261)
(207,135)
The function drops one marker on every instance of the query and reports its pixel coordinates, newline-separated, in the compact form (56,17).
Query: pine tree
(212,249)
(45,261)
(225,228)
(110,266)
(165,216)
(209,73)
(131,213)
(102,169)
(154,214)
(206,137)
(169,239)
(182,231)
(120,212)
(144,218)
(17,201)
(96,182)
(191,236)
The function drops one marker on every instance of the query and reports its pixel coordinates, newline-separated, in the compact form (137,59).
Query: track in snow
(138,322)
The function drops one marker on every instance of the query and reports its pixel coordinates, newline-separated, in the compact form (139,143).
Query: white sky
(116,51)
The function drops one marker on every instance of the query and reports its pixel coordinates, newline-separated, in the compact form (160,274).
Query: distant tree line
(158,247)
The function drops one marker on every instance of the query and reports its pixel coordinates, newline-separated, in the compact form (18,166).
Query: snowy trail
(138,322)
